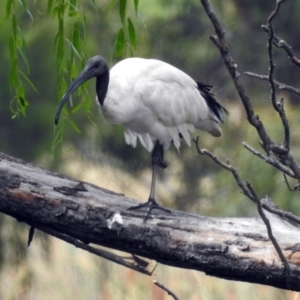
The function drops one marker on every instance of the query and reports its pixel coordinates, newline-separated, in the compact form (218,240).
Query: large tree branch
(81,213)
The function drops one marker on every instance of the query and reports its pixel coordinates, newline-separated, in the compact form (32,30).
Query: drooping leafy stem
(17,46)
(68,45)
(126,38)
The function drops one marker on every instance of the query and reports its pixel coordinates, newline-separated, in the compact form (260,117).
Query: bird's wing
(173,99)
(172,96)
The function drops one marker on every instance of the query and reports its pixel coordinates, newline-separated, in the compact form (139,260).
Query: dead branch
(281,86)
(270,231)
(280,151)
(270,159)
(219,41)
(99,252)
(226,166)
(83,214)
(277,107)
(163,287)
(280,43)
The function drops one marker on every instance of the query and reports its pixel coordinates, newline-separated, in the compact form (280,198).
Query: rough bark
(229,248)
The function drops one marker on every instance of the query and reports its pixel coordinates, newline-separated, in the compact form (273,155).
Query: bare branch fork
(277,155)
(281,86)
(280,43)
(269,206)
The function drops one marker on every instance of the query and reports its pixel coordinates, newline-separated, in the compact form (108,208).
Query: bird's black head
(95,67)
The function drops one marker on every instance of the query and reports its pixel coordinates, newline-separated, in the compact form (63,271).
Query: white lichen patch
(116,218)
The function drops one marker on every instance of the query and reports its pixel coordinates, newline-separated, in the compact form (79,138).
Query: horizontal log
(229,248)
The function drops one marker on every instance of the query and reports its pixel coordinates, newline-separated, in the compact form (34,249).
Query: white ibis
(155,102)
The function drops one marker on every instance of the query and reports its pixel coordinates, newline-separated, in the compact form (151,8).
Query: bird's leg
(157,162)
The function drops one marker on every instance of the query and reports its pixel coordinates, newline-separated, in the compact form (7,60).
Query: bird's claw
(150,204)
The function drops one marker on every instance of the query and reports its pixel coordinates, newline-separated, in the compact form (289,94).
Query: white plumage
(155,102)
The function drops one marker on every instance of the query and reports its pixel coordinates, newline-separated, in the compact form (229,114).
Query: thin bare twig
(284,214)
(269,229)
(241,184)
(277,107)
(280,43)
(270,160)
(281,86)
(160,285)
(281,213)
(30,235)
(226,166)
(295,188)
(99,252)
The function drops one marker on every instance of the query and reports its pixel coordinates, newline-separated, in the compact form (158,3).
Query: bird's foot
(150,204)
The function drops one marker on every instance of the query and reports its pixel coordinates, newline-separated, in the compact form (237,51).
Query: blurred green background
(176,32)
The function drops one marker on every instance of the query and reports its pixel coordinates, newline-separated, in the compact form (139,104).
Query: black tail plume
(206,92)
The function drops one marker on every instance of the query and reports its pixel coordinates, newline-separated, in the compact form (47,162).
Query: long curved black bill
(78,81)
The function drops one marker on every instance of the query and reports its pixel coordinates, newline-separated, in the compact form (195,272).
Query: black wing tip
(205,86)
(206,92)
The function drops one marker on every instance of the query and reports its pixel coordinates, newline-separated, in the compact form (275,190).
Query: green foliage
(131,32)
(17,46)
(122,9)
(120,42)
(68,44)
(126,39)
(136,6)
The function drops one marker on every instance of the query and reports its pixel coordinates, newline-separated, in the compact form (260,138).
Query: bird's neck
(102,86)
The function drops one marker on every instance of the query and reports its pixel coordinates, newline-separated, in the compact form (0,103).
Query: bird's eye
(96,65)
